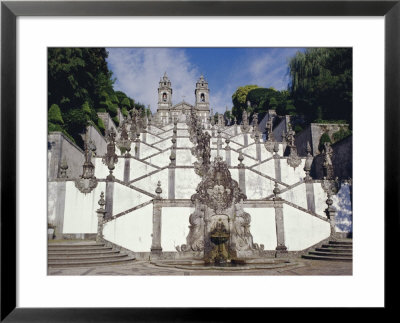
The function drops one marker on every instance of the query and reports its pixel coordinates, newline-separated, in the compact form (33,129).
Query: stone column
(109,197)
(171,175)
(60,208)
(137,145)
(242,174)
(156,249)
(281,250)
(228,152)
(127,168)
(100,218)
(246,139)
(277,164)
(258,151)
(310,196)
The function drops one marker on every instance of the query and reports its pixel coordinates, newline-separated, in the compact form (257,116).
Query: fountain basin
(233,265)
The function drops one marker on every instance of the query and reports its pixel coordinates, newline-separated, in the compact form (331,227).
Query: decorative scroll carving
(195,238)
(218,190)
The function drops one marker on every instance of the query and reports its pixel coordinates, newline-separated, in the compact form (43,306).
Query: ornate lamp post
(110,158)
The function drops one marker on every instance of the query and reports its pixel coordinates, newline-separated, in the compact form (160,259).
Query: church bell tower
(164,99)
(202,94)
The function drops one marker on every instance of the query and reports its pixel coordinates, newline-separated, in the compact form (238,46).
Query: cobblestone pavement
(140,267)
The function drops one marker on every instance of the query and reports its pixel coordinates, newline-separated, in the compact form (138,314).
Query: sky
(138,71)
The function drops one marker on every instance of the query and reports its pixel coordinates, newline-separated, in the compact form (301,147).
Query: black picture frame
(10,10)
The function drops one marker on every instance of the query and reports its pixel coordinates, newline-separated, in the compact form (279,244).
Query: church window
(164,97)
(202,98)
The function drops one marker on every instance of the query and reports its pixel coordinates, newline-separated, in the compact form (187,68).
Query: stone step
(86,257)
(315,257)
(343,242)
(90,263)
(78,248)
(331,254)
(337,250)
(67,253)
(340,246)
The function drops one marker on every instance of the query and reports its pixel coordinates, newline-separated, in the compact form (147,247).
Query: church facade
(167,112)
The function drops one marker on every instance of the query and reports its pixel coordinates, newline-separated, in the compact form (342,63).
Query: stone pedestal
(156,249)
(281,249)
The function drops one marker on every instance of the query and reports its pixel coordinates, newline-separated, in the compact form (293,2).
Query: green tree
(239,100)
(321,83)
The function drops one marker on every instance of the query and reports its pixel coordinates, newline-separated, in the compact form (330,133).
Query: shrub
(86,108)
(124,112)
(324,138)
(341,134)
(101,126)
(55,115)
(116,120)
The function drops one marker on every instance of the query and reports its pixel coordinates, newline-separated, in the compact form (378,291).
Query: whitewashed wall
(125,198)
(257,187)
(296,195)
(290,175)
(174,227)
(133,230)
(262,226)
(302,230)
(149,183)
(186,181)
(80,209)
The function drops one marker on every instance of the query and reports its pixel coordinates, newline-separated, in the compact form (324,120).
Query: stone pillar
(137,149)
(144,137)
(228,153)
(277,163)
(156,236)
(246,139)
(171,182)
(127,168)
(242,179)
(331,213)
(310,196)
(258,151)
(281,250)
(100,218)
(60,208)
(109,197)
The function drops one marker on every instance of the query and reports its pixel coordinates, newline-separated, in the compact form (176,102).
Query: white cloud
(270,68)
(138,71)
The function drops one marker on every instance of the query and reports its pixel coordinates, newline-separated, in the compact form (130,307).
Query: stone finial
(172,158)
(227,141)
(276,191)
(102,201)
(63,168)
(241,158)
(158,190)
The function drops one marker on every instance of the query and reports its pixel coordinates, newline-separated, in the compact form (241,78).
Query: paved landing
(140,267)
